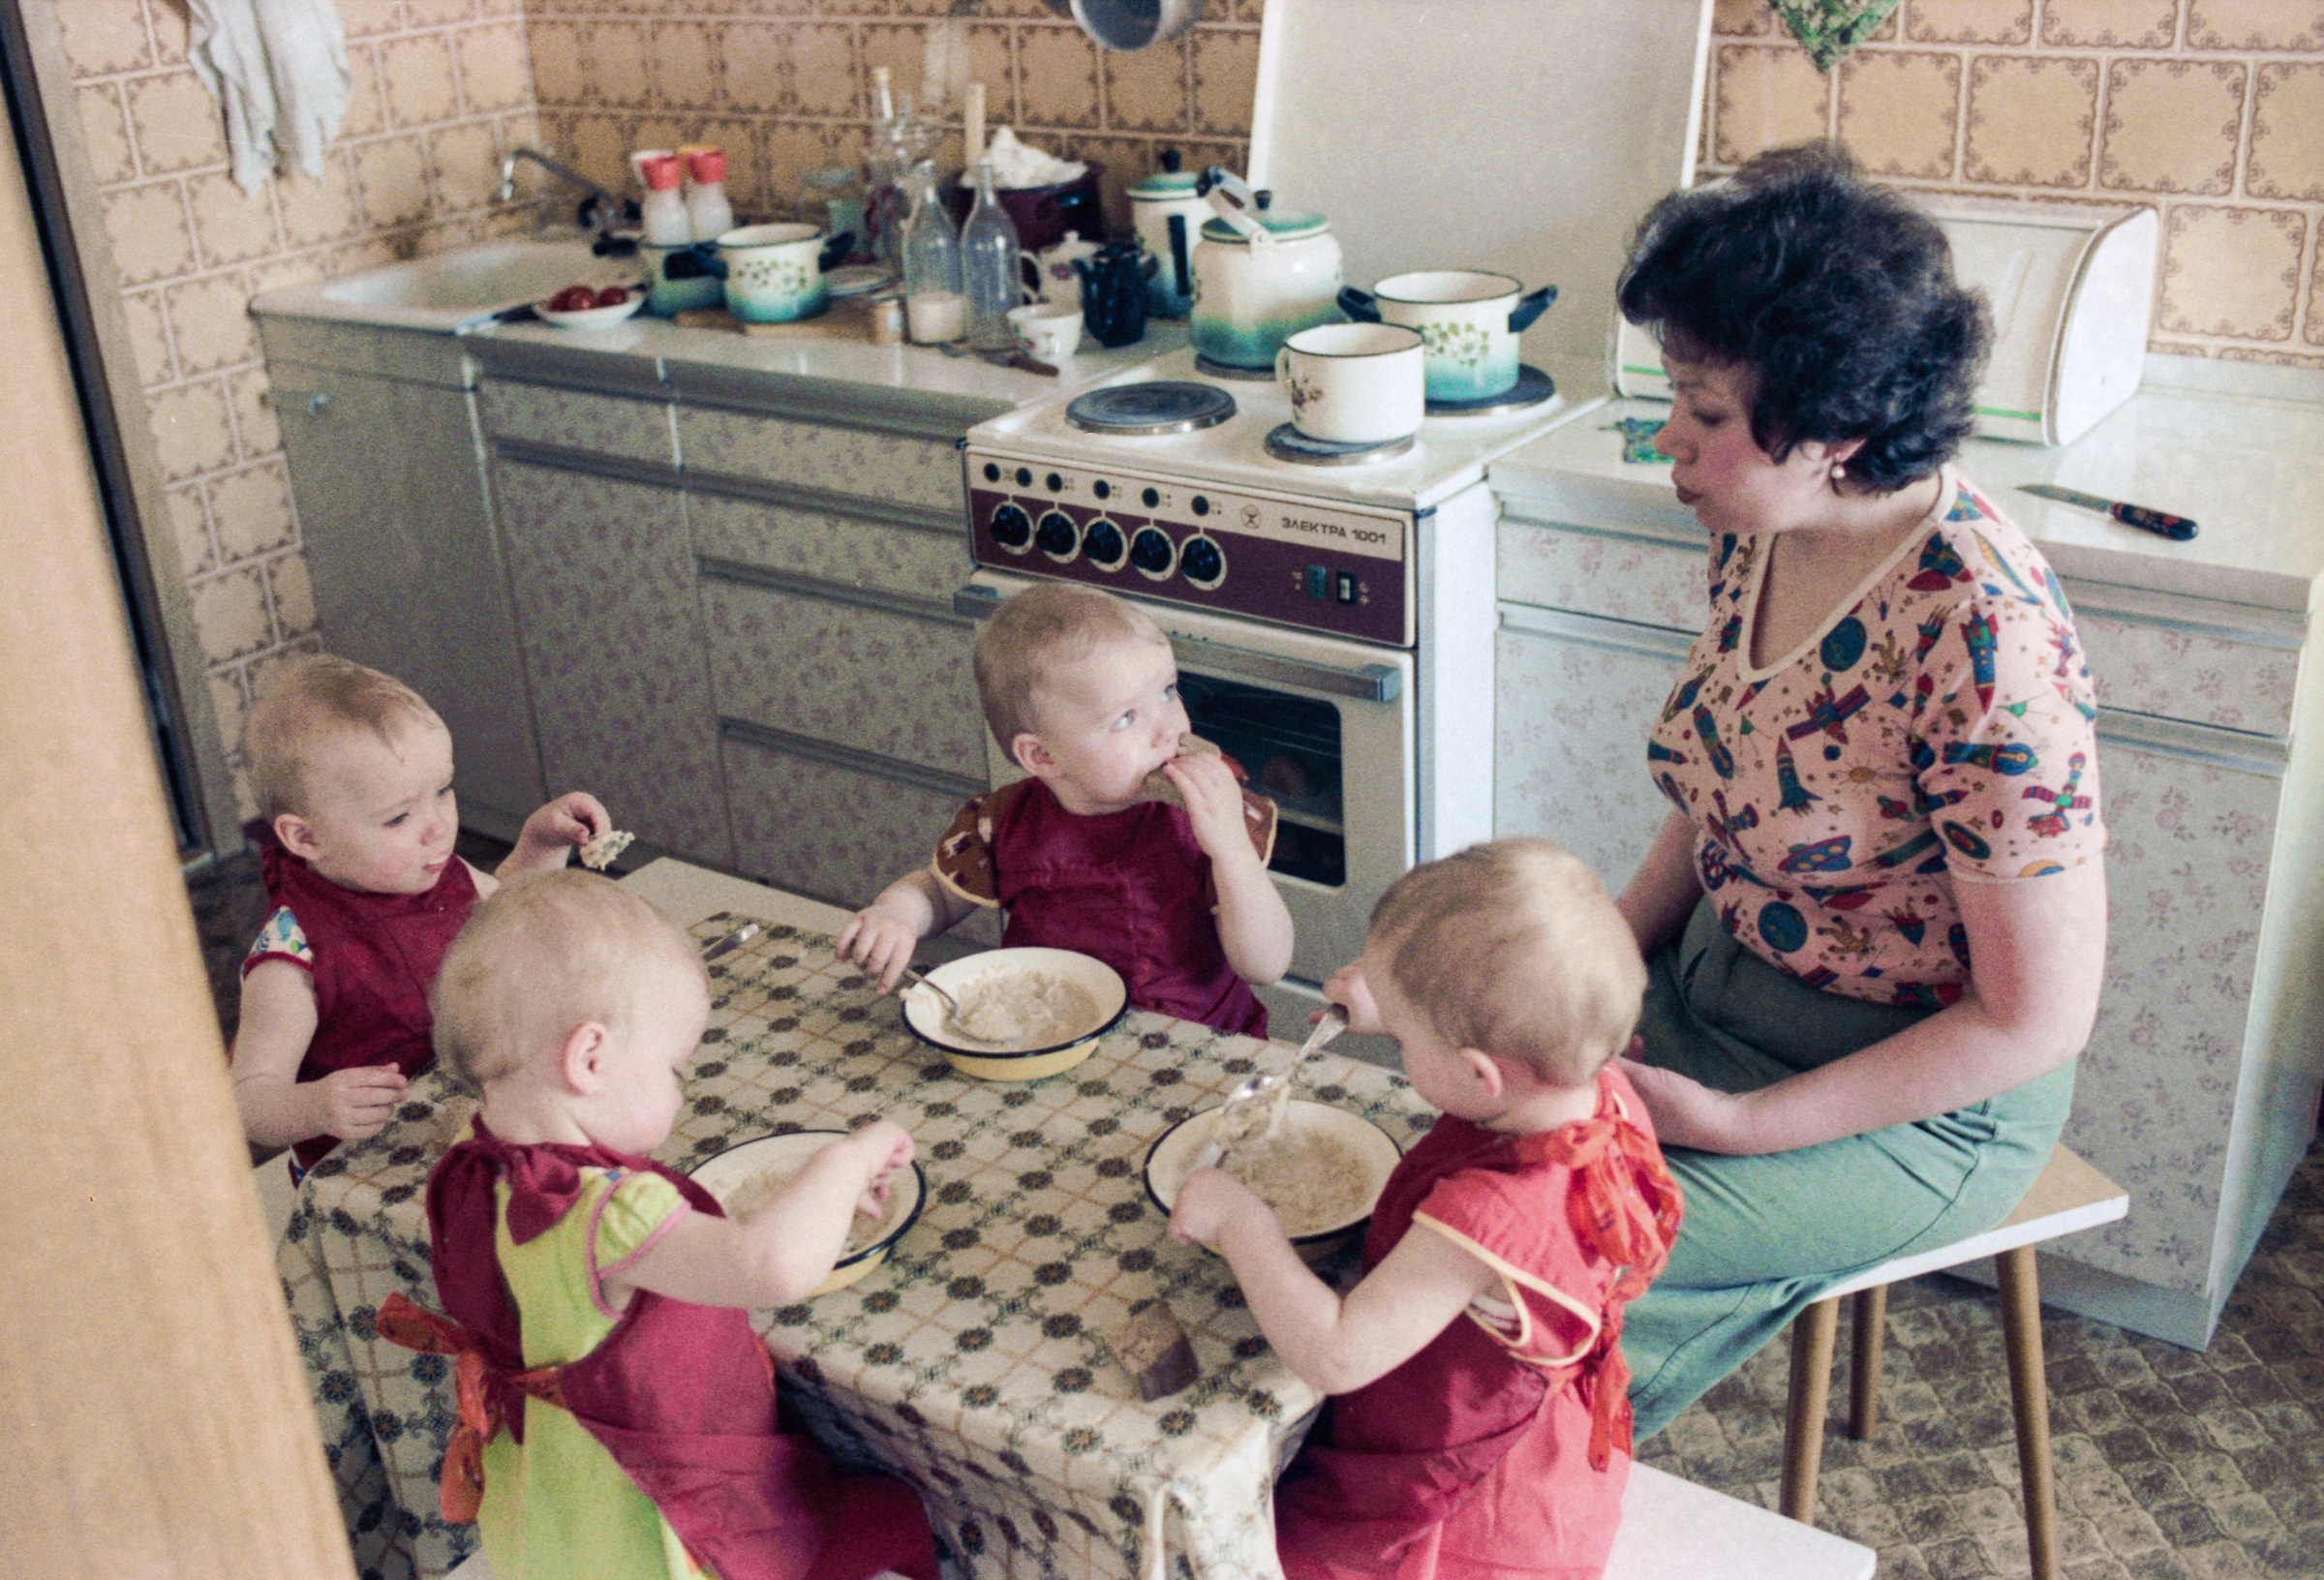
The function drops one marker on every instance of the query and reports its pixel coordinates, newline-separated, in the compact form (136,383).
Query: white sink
(452,291)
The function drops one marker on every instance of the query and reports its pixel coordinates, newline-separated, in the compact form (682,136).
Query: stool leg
(1813,1332)
(1868,1333)
(2029,1400)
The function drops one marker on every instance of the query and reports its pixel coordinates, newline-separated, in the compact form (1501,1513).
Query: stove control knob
(1103,545)
(1102,489)
(1204,562)
(1012,527)
(1055,535)
(1152,498)
(1152,552)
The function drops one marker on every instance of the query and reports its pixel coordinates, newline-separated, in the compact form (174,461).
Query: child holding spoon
(1480,1425)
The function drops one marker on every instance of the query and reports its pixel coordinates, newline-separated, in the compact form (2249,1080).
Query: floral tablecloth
(973,1363)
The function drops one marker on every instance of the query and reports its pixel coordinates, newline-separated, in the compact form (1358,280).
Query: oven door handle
(1364,682)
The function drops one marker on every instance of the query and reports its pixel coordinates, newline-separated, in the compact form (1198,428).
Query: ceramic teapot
(1167,214)
(1260,275)
(1113,294)
(1056,274)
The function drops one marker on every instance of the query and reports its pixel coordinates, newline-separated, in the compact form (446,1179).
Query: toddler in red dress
(1081,690)
(1479,1426)
(352,773)
(617,1410)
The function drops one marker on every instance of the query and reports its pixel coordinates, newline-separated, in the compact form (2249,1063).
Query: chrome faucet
(600,211)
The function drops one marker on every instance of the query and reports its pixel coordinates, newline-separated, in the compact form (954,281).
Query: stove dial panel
(1323,565)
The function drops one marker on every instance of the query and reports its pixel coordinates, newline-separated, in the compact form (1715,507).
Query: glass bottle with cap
(662,214)
(992,279)
(933,304)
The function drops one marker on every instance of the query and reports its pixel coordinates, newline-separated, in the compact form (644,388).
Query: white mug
(1049,331)
(1354,383)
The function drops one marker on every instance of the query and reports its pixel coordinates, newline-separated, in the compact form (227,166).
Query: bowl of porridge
(748,1174)
(1025,1013)
(1321,1172)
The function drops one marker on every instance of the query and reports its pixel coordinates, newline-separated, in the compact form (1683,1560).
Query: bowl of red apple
(591,307)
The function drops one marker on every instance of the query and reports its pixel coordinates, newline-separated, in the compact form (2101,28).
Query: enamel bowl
(924,1012)
(1353,1145)
(722,1174)
(593,317)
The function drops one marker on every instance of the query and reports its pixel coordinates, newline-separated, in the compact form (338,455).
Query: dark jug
(1114,292)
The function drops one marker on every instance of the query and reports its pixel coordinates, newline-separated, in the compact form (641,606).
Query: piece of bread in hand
(599,853)
(1157,786)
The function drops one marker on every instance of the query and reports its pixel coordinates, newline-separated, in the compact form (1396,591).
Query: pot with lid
(1260,275)
(1469,321)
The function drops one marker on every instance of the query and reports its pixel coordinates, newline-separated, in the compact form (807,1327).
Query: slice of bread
(1157,786)
(599,854)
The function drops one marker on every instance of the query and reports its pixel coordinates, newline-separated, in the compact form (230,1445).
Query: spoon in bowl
(1256,1107)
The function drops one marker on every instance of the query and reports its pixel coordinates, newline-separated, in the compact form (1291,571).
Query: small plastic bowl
(593,317)
(1363,1144)
(722,1173)
(924,1012)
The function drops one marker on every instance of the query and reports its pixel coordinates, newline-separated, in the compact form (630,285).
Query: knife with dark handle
(2178,529)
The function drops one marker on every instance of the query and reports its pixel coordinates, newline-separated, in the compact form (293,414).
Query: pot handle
(1283,366)
(1180,273)
(1530,306)
(1359,306)
(834,250)
(695,263)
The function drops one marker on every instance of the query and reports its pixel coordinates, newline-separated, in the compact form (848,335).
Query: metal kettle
(1114,292)
(1260,274)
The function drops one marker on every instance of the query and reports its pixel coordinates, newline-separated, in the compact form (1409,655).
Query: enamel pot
(680,277)
(775,272)
(1260,275)
(1167,214)
(1469,322)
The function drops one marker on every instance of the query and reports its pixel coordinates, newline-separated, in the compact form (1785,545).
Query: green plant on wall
(1828,29)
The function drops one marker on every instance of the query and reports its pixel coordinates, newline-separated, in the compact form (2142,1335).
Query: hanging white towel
(278,70)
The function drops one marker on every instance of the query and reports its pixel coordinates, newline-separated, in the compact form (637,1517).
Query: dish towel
(278,69)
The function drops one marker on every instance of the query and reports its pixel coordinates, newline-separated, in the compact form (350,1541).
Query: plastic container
(663,213)
(992,277)
(932,262)
(709,214)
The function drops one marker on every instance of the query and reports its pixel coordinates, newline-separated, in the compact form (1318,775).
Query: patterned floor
(2171,1465)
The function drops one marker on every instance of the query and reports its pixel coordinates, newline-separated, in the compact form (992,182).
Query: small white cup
(1354,383)
(1049,331)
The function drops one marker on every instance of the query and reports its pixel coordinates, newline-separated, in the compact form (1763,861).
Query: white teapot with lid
(1260,275)
(1055,277)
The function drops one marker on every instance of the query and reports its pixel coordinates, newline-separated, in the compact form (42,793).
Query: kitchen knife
(2175,528)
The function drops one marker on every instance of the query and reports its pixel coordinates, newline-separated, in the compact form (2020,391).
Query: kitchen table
(973,1363)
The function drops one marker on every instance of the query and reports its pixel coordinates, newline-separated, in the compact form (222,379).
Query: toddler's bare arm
(277,1025)
(881,936)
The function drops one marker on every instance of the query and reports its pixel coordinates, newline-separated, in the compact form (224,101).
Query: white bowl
(593,317)
(1358,1144)
(724,1172)
(925,1015)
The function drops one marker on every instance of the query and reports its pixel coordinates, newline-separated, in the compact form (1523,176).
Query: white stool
(1673,1530)
(2068,1195)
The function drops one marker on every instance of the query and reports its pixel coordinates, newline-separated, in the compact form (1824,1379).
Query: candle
(936,315)
(972,126)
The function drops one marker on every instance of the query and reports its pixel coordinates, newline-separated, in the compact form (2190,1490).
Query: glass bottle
(990,276)
(932,307)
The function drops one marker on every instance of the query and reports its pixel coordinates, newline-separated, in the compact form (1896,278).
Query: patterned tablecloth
(973,1363)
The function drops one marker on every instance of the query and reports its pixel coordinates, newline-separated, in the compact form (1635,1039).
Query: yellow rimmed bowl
(1341,1141)
(722,1174)
(924,1012)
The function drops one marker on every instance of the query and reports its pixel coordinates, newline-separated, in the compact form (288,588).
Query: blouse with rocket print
(1938,729)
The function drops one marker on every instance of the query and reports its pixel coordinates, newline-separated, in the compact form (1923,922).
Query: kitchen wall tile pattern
(2211,112)
(443,88)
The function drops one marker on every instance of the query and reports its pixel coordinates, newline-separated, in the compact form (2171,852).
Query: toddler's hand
(571,819)
(880,942)
(358,1102)
(1213,802)
(1209,1200)
(1348,990)
(884,1147)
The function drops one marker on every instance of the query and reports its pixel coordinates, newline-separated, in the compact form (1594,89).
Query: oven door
(1321,725)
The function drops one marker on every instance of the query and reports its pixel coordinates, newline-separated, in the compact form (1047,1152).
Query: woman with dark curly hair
(1877,913)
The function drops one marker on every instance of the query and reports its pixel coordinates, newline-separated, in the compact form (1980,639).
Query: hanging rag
(1828,29)
(278,70)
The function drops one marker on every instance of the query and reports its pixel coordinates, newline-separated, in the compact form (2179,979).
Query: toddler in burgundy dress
(352,772)
(1478,1427)
(618,1414)
(1088,852)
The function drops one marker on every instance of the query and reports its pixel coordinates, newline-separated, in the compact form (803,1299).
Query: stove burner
(1159,406)
(1228,370)
(1287,443)
(1532,389)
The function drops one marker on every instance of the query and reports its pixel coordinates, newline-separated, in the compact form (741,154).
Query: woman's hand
(1685,1111)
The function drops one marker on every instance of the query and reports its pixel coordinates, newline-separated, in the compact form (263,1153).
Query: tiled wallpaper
(442,87)
(2211,112)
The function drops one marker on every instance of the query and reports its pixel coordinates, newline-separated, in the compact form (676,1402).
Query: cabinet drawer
(573,420)
(847,461)
(1620,576)
(851,550)
(869,672)
(818,824)
(2151,660)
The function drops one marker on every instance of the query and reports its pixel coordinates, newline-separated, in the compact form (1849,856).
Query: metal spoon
(1256,1107)
(952,1005)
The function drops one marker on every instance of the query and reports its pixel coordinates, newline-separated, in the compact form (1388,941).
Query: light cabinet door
(407,573)
(612,633)
(1572,698)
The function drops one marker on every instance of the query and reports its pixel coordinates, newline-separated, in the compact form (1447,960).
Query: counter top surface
(2243,463)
